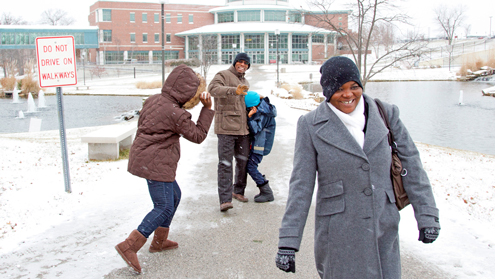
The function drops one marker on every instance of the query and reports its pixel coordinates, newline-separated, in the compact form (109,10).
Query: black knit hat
(242,56)
(337,71)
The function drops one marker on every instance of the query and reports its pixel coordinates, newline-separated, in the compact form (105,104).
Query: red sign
(56,61)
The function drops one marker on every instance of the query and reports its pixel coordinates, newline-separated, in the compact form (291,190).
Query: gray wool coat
(356,222)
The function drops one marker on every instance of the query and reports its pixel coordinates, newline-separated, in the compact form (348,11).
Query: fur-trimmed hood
(184,86)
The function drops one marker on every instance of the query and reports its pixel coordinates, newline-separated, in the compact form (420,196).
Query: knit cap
(337,71)
(242,56)
(252,99)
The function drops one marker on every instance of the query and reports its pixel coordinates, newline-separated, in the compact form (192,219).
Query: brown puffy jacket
(230,109)
(163,120)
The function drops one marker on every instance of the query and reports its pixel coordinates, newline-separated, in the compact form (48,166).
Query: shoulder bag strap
(383,114)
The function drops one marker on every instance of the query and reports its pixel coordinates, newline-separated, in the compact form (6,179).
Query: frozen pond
(79,111)
(430,110)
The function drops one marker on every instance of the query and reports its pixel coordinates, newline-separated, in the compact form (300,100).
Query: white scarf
(354,121)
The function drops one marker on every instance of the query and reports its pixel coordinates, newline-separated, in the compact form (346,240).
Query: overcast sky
(478,11)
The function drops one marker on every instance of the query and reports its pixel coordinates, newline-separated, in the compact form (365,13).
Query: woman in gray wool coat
(344,145)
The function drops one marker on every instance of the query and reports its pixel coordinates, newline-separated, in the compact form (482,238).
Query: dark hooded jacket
(262,127)
(163,120)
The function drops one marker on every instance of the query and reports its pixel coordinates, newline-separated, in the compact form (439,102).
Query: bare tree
(9,57)
(208,53)
(365,16)
(383,38)
(449,19)
(9,19)
(56,17)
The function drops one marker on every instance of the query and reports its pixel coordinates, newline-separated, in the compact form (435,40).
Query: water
(79,111)
(432,114)
(429,109)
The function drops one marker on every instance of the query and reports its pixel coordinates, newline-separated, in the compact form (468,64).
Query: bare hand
(252,111)
(205,99)
(241,89)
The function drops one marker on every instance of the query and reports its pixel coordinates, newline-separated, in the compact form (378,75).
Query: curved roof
(253,27)
(252,7)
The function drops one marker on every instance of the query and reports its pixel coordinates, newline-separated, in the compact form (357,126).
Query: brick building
(131,32)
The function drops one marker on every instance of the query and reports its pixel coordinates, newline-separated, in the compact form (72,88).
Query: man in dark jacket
(228,88)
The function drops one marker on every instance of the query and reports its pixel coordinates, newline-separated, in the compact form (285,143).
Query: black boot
(266,194)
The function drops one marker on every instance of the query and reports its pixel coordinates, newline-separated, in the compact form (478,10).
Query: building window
(107,15)
(145,17)
(193,43)
(8,38)
(299,42)
(331,38)
(133,17)
(318,38)
(254,41)
(226,17)
(145,37)
(340,23)
(295,17)
(168,18)
(133,37)
(157,56)
(114,57)
(229,40)
(168,38)
(107,35)
(157,38)
(282,41)
(275,16)
(157,17)
(248,15)
(209,43)
(179,18)
(191,19)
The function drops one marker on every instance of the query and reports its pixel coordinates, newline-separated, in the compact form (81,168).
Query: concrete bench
(105,143)
(82,86)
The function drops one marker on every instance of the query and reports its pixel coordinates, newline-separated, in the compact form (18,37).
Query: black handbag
(396,169)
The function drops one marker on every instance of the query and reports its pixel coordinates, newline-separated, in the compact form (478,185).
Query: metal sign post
(57,67)
(63,139)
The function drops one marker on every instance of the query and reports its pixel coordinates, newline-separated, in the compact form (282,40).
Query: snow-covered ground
(32,197)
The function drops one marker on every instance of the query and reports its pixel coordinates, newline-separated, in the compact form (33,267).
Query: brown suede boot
(128,249)
(160,241)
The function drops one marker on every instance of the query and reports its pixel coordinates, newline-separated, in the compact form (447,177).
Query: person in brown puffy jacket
(155,154)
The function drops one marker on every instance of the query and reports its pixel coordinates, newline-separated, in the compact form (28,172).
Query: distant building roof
(254,27)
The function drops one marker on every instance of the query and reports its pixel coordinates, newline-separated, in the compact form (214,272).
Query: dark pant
(228,147)
(166,199)
(252,168)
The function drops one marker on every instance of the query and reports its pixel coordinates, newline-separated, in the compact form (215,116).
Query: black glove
(286,260)
(428,235)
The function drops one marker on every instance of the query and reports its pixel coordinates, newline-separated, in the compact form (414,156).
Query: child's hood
(267,108)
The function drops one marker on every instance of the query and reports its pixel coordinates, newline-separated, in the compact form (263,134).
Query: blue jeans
(252,168)
(166,199)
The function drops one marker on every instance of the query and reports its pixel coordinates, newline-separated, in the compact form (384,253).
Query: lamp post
(489,36)
(277,32)
(162,2)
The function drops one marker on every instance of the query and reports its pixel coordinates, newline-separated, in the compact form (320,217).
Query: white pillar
(310,48)
(150,56)
(267,48)
(186,47)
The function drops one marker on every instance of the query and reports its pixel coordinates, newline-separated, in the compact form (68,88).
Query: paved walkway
(241,243)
